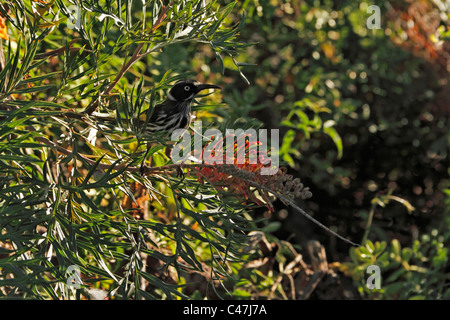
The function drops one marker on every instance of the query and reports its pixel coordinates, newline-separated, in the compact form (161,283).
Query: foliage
(413,272)
(363,117)
(72,197)
(416,272)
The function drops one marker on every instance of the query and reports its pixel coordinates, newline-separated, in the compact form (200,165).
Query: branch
(59,51)
(162,169)
(134,58)
(105,166)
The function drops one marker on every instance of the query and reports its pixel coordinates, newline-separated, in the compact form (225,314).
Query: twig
(288,272)
(147,170)
(59,51)
(369,223)
(134,58)
(162,16)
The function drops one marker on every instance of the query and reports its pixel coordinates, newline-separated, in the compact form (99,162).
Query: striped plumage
(175,112)
(169,116)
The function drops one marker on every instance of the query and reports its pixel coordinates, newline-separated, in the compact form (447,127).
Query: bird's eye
(187,88)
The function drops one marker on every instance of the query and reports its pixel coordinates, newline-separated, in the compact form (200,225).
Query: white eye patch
(187,88)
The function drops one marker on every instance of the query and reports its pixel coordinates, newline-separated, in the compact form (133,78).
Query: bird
(175,112)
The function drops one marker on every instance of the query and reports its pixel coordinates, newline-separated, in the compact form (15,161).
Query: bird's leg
(180,172)
(168,153)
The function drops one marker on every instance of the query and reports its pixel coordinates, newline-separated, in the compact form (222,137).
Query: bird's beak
(204,86)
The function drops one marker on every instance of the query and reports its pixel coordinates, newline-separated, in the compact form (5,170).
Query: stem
(369,223)
(134,58)
(147,170)
(60,51)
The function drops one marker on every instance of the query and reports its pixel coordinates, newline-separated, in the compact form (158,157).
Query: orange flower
(3,30)
(243,178)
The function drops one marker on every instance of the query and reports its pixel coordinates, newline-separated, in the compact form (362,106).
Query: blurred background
(363,117)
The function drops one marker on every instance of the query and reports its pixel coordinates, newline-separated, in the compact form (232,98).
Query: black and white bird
(175,112)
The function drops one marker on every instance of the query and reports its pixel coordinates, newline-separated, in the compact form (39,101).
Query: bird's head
(185,90)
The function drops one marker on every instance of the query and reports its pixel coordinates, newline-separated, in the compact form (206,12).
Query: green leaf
(272,227)
(331,131)
(33,89)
